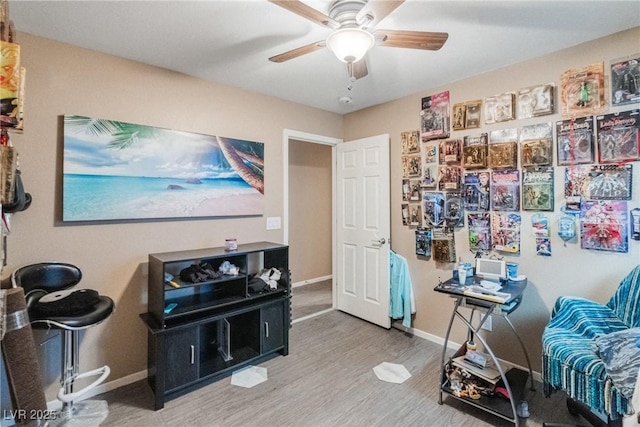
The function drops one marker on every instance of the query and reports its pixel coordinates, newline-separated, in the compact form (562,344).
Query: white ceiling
(230,41)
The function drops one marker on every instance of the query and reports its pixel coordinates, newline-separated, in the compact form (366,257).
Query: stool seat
(101,311)
(47,276)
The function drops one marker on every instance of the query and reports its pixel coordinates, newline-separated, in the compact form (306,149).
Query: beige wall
(570,271)
(310,208)
(62,79)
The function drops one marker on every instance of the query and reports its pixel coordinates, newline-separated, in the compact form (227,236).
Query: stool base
(87,413)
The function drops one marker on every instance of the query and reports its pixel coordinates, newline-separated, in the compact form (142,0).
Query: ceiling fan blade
(411,39)
(375,11)
(308,12)
(294,53)
(358,70)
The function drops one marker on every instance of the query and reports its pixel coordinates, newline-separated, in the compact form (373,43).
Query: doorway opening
(308,223)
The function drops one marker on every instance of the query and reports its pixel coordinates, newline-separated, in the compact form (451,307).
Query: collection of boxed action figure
(490,176)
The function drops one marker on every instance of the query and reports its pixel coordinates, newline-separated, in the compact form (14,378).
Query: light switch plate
(273,223)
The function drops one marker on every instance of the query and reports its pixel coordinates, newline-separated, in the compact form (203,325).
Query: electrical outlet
(487,325)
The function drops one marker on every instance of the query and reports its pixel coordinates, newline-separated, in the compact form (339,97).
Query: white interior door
(363,229)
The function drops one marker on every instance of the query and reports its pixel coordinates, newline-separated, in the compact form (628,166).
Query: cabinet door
(182,357)
(272,327)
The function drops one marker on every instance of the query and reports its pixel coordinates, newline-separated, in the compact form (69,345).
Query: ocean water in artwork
(122,171)
(98,197)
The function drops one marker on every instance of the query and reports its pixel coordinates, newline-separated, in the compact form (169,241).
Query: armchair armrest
(585,318)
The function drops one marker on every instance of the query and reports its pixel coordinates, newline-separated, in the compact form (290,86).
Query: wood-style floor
(309,299)
(327,380)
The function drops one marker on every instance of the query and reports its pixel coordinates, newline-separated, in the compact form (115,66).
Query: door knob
(379,242)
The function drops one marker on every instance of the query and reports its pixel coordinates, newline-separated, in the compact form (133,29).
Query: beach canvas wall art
(122,171)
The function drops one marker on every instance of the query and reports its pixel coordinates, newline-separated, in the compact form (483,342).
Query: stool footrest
(70,397)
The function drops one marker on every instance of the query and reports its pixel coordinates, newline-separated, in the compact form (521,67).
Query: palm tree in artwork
(234,157)
(239,155)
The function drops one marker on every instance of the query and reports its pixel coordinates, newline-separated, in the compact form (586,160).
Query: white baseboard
(311,316)
(310,281)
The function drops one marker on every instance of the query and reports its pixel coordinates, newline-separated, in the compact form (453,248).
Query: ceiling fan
(352,22)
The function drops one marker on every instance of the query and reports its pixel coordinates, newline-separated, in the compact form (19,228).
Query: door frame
(289,134)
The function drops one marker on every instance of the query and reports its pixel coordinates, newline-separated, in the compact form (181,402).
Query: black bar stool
(51,303)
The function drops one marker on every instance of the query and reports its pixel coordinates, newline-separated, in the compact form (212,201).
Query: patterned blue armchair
(570,357)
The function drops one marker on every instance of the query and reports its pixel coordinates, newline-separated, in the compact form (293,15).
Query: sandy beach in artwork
(232,205)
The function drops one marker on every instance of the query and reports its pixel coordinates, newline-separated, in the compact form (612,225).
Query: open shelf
(182,284)
(498,405)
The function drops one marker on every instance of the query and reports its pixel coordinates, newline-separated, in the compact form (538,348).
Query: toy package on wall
(410,142)
(575,141)
(423,242)
(536,145)
(625,80)
(429,176)
(434,116)
(406,190)
(444,249)
(473,114)
(610,182)
(505,232)
(459,112)
(540,227)
(449,178)
(582,91)
(576,186)
(505,190)
(453,209)
(503,149)
(415,186)
(603,226)
(405,213)
(476,191)
(499,108)
(411,166)
(415,215)
(635,223)
(450,152)
(543,246)
(535,101)
(567,227)
(430,153)
(474,151)
(411,190)
(537,189)
(479,231)
(618,136)
(429,165)
(432,209)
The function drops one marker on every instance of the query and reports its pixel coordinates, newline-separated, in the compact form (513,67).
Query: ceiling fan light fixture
(350,44)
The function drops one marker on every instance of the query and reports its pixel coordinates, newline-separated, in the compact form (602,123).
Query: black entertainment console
(201,332)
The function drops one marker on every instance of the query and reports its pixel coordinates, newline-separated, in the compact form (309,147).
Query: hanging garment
(402,301)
